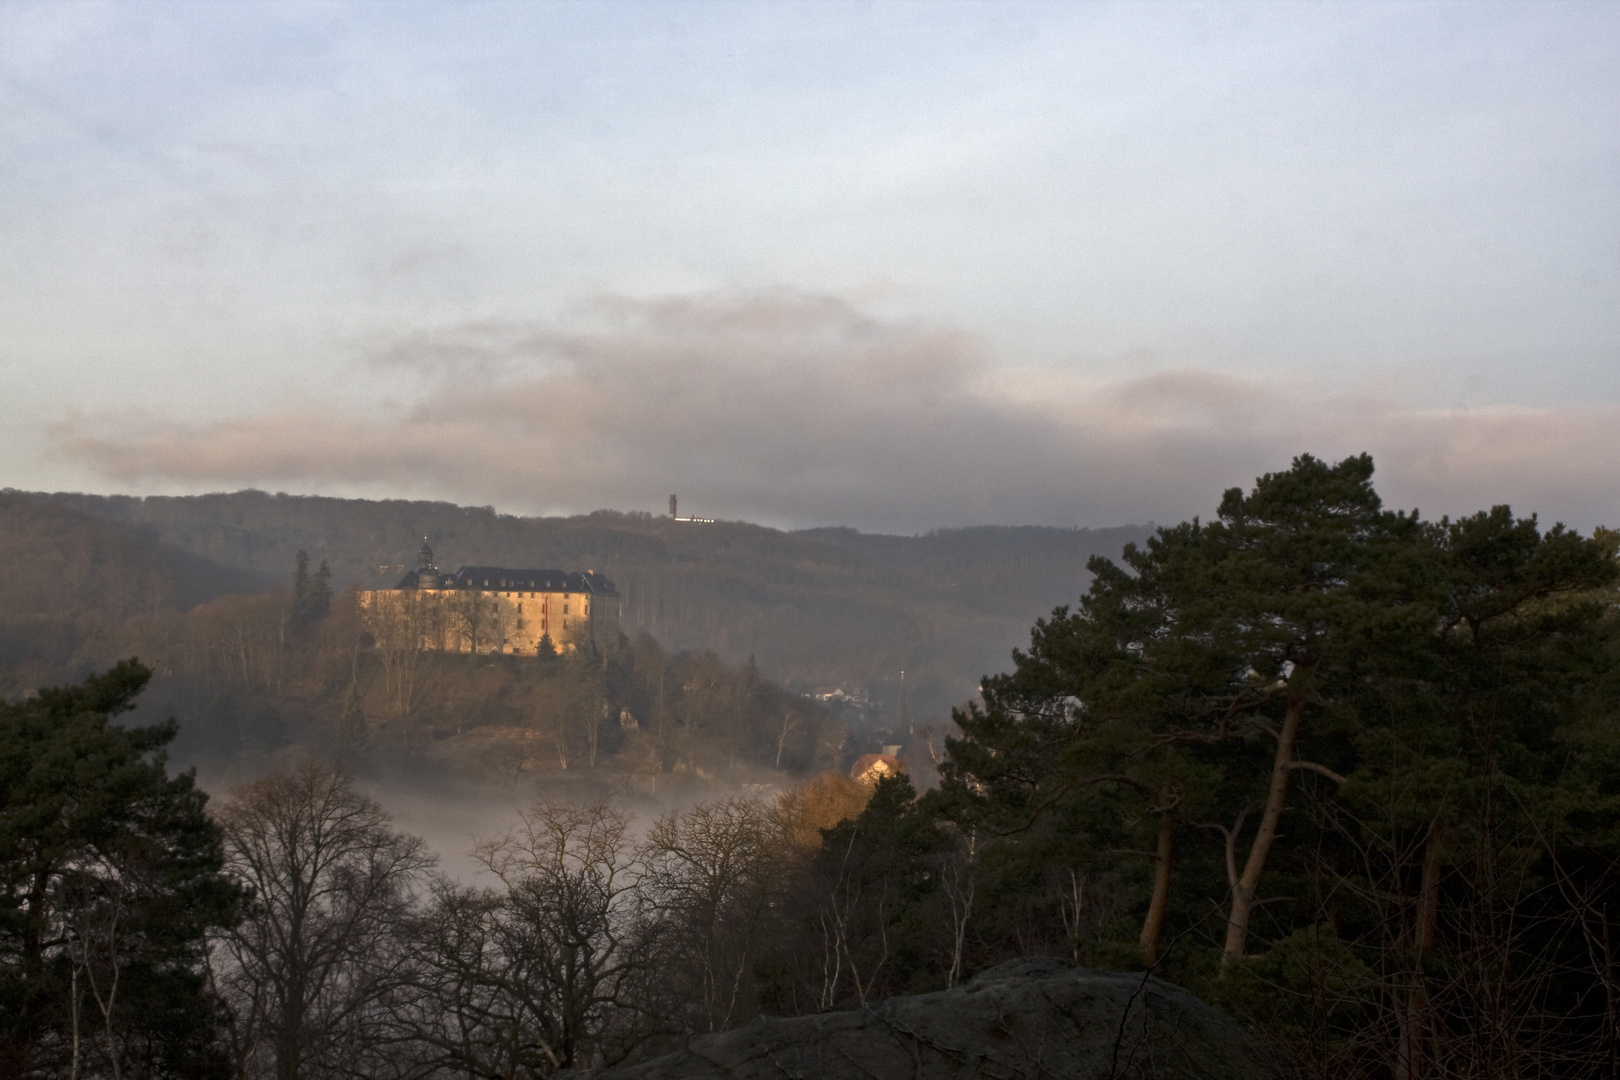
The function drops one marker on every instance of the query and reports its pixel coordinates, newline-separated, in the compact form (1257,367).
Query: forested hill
(1023,570)
(71,574)
(816,607)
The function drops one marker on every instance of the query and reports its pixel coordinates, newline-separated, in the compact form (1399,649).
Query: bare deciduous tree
(475,622)
(402,624)
(310,973)
(569,932)
(711,876)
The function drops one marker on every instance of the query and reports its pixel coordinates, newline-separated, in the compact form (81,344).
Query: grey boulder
(1023,1020)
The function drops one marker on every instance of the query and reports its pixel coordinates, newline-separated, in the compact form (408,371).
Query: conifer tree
(312,593)
(1239,633)
(110,876)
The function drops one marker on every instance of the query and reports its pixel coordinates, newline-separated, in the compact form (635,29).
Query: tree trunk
(1161,889)
(1248,884)
(289,1056)
(1411,1052)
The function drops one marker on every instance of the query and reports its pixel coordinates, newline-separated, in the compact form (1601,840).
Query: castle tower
(427,575)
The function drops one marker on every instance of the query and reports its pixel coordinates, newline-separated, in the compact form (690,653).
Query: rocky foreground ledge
(1027,1019)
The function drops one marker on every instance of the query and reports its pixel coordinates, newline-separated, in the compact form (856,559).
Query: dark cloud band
(801,409)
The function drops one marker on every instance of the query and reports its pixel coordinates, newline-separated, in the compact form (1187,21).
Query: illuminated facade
(493,609)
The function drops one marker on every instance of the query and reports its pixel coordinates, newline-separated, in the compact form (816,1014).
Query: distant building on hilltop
(493,609)
(673,516)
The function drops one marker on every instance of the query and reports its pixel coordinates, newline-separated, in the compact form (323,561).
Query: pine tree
(1226,644)
(110,875)
(312,593)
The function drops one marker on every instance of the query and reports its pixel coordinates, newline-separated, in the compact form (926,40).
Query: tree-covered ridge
(73,576)
(825,606)
(254,675)
(256,672)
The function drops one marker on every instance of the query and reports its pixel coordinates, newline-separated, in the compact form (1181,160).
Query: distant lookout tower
(674,515)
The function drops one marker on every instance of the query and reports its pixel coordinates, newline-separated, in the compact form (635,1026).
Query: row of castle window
(520,608)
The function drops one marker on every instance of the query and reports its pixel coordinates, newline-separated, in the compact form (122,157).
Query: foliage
(110,877)
(75,576)
(311,593)
(251,681)
(1383,741)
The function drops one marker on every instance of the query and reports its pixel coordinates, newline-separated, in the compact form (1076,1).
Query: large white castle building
(493,609)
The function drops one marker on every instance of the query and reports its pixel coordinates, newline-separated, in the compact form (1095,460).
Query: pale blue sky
(268,245)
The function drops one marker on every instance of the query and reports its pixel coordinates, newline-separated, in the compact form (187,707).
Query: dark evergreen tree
(312,593)
(1393,740)
(110,876)
(878,881)
(1227,645)
(1465,870)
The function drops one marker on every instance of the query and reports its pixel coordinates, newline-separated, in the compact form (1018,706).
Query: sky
(895,266)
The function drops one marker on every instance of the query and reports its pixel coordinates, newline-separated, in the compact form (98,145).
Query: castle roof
(500,577)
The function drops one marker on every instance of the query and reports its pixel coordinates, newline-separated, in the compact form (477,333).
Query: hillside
(823,606)
(71,575)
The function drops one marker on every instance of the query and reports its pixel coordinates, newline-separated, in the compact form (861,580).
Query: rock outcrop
(1027,1019)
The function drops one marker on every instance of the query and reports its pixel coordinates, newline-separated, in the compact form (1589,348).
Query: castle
(491,609)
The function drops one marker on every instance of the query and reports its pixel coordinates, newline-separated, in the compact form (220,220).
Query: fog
(454,813)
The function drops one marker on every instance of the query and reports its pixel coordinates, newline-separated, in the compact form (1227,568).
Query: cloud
(799,409)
